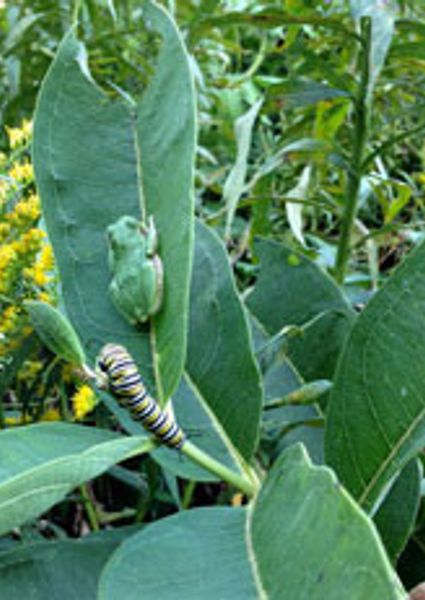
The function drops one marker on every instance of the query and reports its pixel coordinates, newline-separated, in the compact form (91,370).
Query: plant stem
(354,175)
(89,507)
(188,494)
(76,12)
(247,486)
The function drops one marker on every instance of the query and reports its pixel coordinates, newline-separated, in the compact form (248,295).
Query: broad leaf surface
(40,464)
(220,360)
(395,518)
(97,159)
(303,538)
(376,417)
(58,570)
(292,290)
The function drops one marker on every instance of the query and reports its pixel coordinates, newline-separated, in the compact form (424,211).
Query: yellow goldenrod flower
(46,260)
(4,188)
(39,273)
(4,231)
(14,420)
(67,372)
(30,369)
(51,414)
(9,319)
(45,297)
(84,400)
(25,211)
(21,172)
(40,277)
(7,255)
(18,135)
(26,330)
(30,241)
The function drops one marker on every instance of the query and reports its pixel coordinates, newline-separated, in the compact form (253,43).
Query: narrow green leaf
(307,146)
(271,18)
(56,331)
(294,210)
(97,159)
(383,16)
(40,464)
(376,417)
(166,138)
(295,94)
(234,184)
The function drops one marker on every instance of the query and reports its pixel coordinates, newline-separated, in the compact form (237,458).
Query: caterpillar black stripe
(125,383)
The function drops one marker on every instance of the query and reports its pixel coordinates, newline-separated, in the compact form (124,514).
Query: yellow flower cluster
(26,211)
(50,414)
(41,271)
(83,402)
(26,259)
(21,173)
(19,136)
(9,319)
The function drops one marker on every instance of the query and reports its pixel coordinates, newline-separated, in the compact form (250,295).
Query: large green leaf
(303,538)
(97,159)
(395,518)
(59,570)
(376,418)
(220,360)
(292,290)
(40,464)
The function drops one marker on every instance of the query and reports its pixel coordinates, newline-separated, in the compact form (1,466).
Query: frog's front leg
(151,237)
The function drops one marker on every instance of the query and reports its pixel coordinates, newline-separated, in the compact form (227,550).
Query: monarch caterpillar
(125,383)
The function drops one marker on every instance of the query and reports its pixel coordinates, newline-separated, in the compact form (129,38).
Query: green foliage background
(288,217)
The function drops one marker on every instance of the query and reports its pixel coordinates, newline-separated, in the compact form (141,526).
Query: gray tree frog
(137,284)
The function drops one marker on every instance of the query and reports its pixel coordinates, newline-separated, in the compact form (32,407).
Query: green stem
(76,12)
(354,175)
(247,486)
(188,494)
(89,508)
(258,61)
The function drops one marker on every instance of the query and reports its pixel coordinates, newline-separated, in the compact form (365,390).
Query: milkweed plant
(210,375)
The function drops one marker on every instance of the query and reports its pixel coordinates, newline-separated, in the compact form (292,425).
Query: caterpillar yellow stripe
(125,383)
